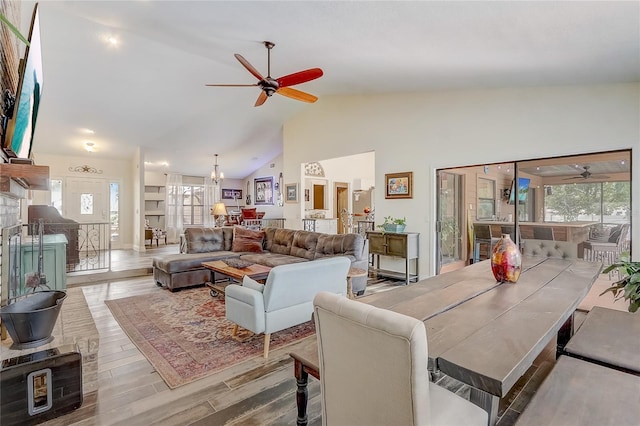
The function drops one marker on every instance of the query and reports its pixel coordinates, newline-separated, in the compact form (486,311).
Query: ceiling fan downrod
(269,45)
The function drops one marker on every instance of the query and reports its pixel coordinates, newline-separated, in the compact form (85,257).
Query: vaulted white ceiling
(150,89)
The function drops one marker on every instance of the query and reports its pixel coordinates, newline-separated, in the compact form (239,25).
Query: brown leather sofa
(280,246)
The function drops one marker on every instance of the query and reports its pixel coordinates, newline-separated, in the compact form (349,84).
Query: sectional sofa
(270,247)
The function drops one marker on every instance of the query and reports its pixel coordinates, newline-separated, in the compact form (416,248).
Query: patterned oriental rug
(186,337)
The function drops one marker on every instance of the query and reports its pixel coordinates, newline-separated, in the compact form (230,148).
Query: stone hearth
(75,325)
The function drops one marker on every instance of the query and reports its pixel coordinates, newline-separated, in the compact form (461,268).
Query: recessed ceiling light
(111,40)
(86,131)
(89,146)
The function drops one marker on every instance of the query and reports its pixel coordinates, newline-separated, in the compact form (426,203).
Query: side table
(353,273)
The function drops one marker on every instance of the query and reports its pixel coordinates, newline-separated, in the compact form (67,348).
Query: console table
(399,245)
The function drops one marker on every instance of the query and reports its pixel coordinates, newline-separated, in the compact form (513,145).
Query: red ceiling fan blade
(261,99)
(297,95)
(249,67)
(300,77)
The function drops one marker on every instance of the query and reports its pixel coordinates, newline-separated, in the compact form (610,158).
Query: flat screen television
(522,191)
(21,127)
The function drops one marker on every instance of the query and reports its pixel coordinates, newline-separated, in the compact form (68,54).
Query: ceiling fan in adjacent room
(280,85)
(586,174)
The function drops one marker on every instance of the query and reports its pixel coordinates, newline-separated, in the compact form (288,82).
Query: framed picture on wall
(231,194)
(291,192)
(263,190)
(398,185)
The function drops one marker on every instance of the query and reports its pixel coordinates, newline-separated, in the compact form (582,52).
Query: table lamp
(219,211)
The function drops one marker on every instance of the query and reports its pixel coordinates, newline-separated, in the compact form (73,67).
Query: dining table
(481,332)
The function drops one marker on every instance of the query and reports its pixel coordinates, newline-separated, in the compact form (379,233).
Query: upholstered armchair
(384,353)
(250,214)
(286,298)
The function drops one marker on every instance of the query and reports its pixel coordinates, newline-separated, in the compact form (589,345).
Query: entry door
(87,200)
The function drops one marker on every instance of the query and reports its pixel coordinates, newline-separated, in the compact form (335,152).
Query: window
(193,205)
(486,198)
(56,194)
(605,202)
(114,209)
(86,203)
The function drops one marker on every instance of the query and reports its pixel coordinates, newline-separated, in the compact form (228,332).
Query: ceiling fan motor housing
(269,85)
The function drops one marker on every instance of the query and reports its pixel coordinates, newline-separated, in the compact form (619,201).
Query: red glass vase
(506,260)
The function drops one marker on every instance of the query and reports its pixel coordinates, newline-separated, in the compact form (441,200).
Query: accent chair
(286,298)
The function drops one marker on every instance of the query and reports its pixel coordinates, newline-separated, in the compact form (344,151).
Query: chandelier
(216,174)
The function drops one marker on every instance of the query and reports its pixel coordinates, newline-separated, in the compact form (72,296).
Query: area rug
(186,337)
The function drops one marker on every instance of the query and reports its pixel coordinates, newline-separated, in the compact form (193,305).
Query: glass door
(450,219)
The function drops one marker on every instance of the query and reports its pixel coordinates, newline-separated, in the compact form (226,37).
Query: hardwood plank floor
(256,392)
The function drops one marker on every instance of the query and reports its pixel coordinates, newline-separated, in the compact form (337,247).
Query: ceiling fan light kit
(281,86)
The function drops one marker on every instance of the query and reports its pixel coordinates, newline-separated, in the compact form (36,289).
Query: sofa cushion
(269,232)
(271,259)
(173,263)
(204,240)
(247,240)
(342,244)
(304,244)
(282,240)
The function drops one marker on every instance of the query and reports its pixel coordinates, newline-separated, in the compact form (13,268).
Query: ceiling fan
(586,174)
(280,85)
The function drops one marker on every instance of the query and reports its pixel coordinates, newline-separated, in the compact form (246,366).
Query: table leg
(349,289)
(564,334)
(486,401)
(302,378)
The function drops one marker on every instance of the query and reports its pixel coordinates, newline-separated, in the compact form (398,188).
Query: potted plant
(392,224)
(628,287)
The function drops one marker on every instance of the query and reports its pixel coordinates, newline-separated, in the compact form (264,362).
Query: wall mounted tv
(523,190)
(22,125)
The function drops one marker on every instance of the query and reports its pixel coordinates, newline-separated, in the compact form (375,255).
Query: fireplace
(11,242)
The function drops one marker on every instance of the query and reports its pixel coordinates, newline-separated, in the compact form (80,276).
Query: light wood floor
(256,392)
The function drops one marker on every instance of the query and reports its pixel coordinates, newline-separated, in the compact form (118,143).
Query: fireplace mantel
(28,176)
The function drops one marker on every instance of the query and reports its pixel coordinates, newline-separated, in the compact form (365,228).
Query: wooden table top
(255,270)
(484,333)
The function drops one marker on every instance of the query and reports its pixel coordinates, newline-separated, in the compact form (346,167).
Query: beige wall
(426,131)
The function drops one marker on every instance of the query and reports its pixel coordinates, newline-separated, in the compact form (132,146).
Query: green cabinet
(54,259)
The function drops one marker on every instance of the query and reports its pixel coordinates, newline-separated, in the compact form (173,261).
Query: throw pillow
(247,240)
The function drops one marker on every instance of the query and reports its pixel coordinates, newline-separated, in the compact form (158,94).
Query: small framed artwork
(263,190)
(291,192)
(399,185)
(231,194)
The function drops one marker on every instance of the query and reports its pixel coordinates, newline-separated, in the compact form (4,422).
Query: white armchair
(286,298)
(376,360)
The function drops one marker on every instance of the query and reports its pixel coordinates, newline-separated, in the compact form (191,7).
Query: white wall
(271,211)
(425,131)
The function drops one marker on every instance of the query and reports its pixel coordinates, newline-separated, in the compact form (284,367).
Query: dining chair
(482,234)
(373,369)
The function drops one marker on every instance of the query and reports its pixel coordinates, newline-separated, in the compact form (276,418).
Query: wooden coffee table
(256,271)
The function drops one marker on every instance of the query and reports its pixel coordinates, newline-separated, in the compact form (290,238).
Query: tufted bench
(548,248)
